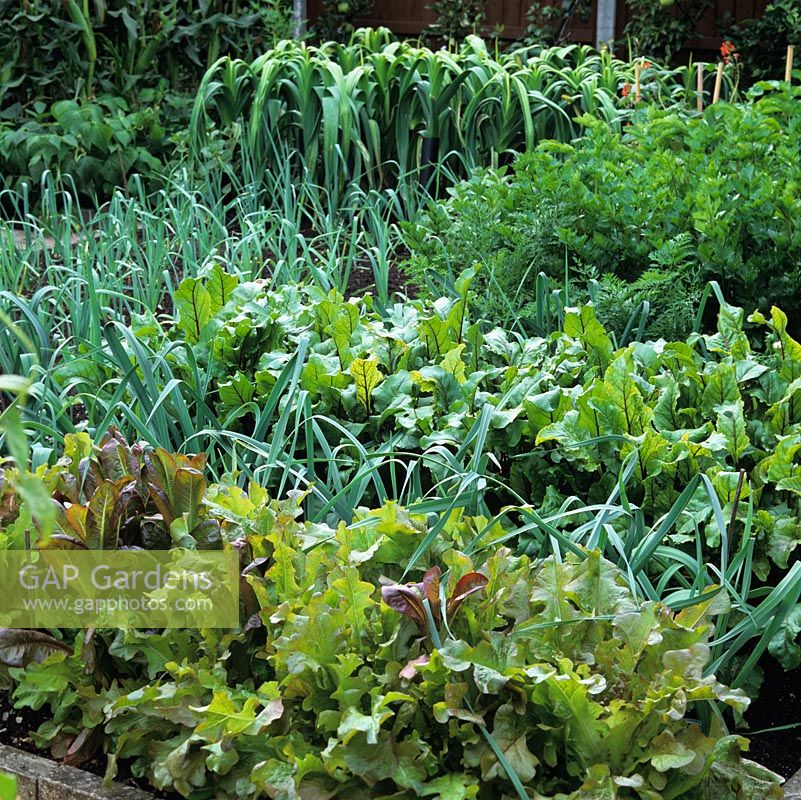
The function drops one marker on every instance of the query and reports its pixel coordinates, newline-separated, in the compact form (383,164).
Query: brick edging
(792,788)
(39,778)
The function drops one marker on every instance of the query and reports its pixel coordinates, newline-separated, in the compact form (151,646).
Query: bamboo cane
(637,95)
(718,83)
(788,64)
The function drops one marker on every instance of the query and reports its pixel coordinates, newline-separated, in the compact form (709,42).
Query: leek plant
(369,112)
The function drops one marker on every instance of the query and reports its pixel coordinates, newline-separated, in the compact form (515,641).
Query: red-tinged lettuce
(411,599)
(115,494)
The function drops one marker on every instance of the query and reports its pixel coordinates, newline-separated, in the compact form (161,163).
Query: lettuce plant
(117,495)
(550,681)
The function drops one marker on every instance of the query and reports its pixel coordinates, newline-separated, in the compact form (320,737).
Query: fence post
(718,83)
(299,15)
(605,22)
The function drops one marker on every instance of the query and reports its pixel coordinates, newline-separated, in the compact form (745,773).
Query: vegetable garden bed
(466,370)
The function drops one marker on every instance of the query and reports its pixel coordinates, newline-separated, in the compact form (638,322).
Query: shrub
(49,49)
(762,43)
(663,27)
(97,144)
(456,19)
(336,21)
(95,90)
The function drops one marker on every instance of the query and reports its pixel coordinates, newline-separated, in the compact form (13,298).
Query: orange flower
(625,90)
(646,64)
(728,51)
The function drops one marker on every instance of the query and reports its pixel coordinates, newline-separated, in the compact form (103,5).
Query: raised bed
(792,789)
(39,778)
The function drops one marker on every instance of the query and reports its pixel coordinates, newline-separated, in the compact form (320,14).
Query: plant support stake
(788,64)
(718,83)
(637,95)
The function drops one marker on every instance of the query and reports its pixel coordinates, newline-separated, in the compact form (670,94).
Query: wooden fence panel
(410,18)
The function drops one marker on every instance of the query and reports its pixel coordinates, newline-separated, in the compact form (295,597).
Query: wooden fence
(410,17)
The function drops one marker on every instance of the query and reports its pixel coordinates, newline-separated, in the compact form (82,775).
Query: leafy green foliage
(118,495)
(133,64)
(761,44)
(547,23)
(717,208)
(98,143)
(375,110)
(648,491)
(336,20)
(456,19)
(312,391)
(663,27)
(551,676)
(335,391)
(46,47)
(419,377)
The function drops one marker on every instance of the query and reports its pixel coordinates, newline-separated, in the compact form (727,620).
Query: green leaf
(582,324)
(188,490)
(356,599)
(220,285)
(731,423)
(353,722)
(784,646)
(194,307)
(729,769)
(720,390)
(668,754)
(435,333)
(275,778)
(509,736)
(237,392)
(221,759)
(789,348)
(623,393)
(454,786)
(367,376)
(102,517)
(222,718)
(398,761)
